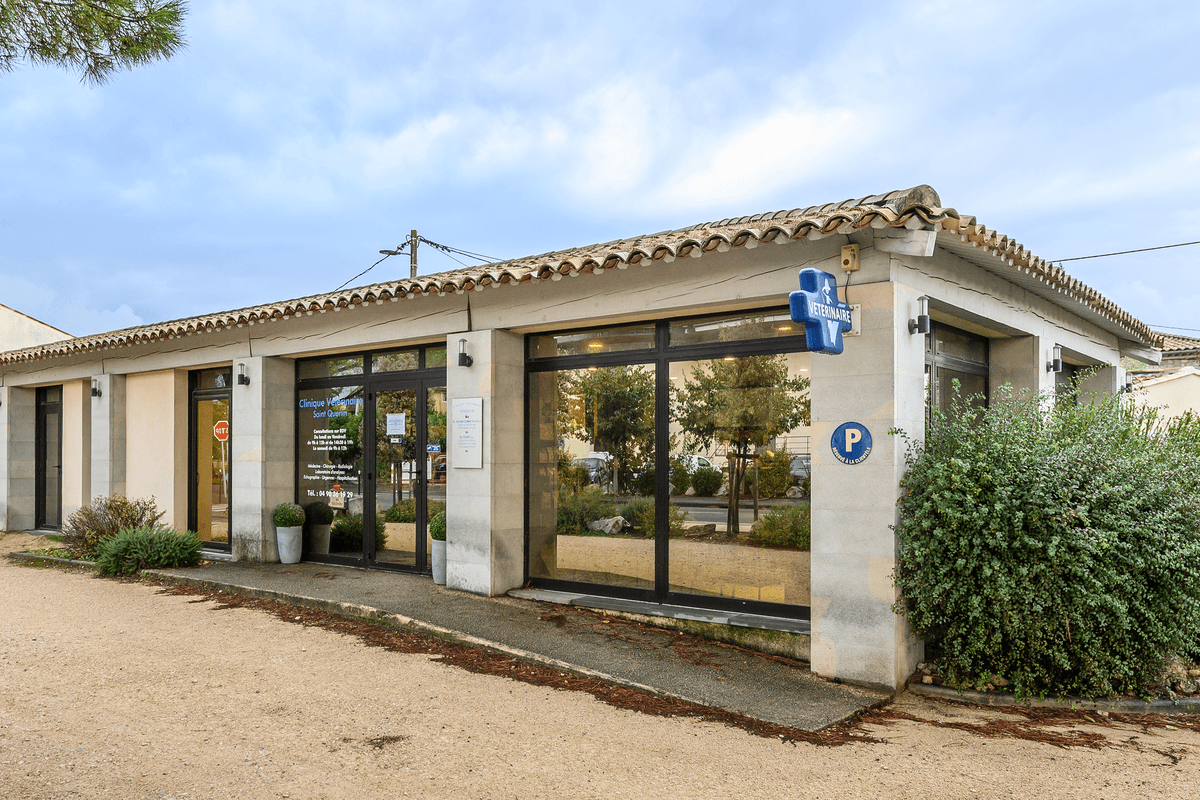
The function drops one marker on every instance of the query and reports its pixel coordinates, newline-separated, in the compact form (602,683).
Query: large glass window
(955,361)
(676,470)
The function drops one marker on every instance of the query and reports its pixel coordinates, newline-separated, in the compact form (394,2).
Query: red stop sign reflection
(221,431)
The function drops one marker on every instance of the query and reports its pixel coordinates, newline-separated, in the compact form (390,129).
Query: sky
(291,141)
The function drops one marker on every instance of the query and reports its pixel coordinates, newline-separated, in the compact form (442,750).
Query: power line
(1123,252)
(411,241)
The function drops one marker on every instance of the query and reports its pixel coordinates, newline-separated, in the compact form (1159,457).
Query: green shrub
(346,534)
(784,526)
(135,549)
(437,527)
(576,510)
(639,512)
(774,473)
(644,483)
(707,481)
(288,515)
(574,477)
(105,518)
(318,513)
(1054,544)
(406,510)
(681,479)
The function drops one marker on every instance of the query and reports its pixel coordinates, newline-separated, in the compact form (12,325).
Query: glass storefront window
(395,362)
(740,461)
(734,328)
(435,357)
(330,367)
(591,471)
(959,344)
(609,340)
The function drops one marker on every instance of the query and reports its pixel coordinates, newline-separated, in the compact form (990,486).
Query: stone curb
(1120,705)
(51,559)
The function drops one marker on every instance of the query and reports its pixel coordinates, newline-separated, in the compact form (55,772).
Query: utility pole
(412,253)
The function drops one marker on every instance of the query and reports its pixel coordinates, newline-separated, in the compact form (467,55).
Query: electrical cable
(1122,252)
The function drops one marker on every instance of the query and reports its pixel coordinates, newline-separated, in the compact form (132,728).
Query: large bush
(91,525)
(135,549)
(1053,543)
(346,534)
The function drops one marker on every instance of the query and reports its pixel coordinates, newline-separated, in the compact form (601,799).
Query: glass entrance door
(409,472)
(48,461)
(210,468)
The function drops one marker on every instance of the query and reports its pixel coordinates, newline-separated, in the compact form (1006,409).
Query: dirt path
(111,689)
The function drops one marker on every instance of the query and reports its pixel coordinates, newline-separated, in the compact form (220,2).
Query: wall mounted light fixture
(464,360)
(921,323)
(243,378)
(96,388)
(1055,363)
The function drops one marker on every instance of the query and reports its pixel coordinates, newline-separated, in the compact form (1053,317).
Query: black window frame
(661,355)
(936,360)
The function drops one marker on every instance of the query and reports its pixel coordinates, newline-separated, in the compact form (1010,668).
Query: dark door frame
(420,387)
(195,396)
(43,409)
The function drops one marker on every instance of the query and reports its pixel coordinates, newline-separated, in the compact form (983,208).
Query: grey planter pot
(318,539)
(291,542)
(439,562)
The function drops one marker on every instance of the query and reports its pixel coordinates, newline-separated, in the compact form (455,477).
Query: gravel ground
(120,689)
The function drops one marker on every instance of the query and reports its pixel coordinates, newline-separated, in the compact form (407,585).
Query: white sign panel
(395,424)
(466,433)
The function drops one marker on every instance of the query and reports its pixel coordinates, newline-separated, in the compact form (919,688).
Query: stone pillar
(76,446)
(485,508)
(877,381)
(108,437)
(263,454)
(17,424)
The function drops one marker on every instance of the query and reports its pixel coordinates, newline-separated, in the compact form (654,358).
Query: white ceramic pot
(291,542)
(439,562)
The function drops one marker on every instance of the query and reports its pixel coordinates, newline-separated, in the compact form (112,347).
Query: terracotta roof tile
(913,209)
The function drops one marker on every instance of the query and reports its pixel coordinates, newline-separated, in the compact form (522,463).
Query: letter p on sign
(853,437)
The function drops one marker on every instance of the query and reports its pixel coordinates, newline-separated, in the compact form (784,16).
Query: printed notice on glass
(466,431)
(395,424)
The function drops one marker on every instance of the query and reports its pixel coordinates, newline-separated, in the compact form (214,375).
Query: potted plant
(437,532)
(289,531)
(319,517)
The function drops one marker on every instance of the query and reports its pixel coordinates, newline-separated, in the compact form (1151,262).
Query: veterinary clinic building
(535,401)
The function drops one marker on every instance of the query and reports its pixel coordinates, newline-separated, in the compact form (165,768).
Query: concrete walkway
(621,652)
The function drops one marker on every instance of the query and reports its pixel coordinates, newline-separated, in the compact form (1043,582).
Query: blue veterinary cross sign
(825,317)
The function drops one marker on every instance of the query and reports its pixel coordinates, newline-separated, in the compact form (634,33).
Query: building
(472,391)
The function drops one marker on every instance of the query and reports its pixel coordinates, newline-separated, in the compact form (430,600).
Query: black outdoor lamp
(464,360)
(96,388)
(243,378)
(921,323)
(1055,363)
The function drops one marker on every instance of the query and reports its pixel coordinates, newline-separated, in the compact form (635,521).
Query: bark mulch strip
(1043,725)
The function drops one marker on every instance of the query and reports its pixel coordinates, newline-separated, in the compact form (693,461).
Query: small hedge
(135,549)
(91,525)
(774,473)
(437,527)
(707,481)
(346,534)
(406,510)
(288,515)
(576,510)
(1054,543)
(784,526)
